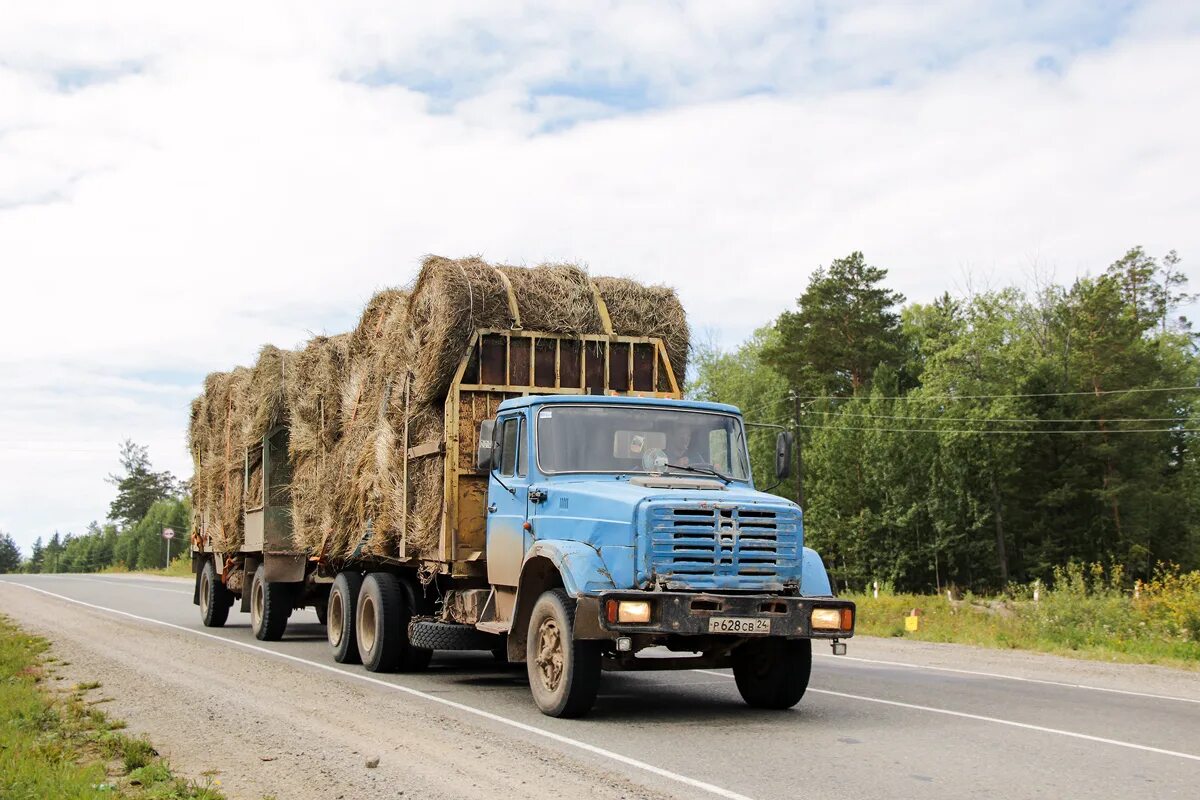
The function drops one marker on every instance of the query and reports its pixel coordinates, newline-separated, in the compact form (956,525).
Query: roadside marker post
(912,622)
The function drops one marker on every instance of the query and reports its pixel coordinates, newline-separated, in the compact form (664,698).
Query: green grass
(1089,613)
(180,567)
(54,744)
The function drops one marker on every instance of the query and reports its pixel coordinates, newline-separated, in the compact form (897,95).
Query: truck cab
(621,523)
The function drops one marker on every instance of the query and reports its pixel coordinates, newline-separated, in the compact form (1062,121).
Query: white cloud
(176,190)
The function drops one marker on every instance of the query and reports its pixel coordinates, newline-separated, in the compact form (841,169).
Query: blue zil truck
(589,514)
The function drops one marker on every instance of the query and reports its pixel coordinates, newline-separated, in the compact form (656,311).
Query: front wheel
(773,673)
(564,672)
(215,597)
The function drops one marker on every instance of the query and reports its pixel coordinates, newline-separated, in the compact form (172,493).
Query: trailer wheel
(773,673)
(381,625)
(339,617)
(564,673)
(270,606)
(215,597)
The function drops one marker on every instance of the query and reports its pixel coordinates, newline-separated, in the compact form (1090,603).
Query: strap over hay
(513,308)
(601,309)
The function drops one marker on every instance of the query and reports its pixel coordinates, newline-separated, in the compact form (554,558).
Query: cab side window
(522,449)
(508,445)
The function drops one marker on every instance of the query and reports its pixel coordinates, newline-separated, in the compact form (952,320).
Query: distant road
(894,719)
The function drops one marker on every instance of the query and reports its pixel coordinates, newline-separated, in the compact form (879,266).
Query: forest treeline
(974,441)
(986,439)
(146,502)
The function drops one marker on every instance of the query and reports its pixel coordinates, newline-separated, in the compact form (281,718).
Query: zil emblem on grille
(728,533)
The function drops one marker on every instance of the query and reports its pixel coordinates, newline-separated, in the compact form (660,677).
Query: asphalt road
(893,719)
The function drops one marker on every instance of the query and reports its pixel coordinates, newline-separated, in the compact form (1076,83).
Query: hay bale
(555,298)
(367,337)
(640,310)
(314,405)
(220,470)
(452,298)
(366,448)
(448,301)
(266,401)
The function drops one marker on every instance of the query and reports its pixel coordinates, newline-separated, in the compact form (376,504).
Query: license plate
(738,625)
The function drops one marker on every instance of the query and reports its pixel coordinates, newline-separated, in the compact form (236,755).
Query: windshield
(646,439)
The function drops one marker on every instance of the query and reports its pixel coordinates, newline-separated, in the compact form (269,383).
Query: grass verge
(180,567)
(1089,613)
(56,743)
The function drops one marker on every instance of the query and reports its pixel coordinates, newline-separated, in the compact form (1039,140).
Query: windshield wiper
(702,471)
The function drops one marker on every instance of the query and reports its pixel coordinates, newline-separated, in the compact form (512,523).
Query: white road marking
(556,737)
(1012,678)
(122,582)
(995,720)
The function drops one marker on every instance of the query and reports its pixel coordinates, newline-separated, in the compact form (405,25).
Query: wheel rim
(366,624)
(256,604)
(204,589)
(550,657)
(334,618)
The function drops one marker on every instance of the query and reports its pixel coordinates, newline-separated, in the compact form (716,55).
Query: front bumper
(689,614)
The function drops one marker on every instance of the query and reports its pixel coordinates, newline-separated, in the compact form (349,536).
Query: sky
(179,185)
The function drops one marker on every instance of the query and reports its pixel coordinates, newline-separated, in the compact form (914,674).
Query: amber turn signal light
(627,611)
(832,619)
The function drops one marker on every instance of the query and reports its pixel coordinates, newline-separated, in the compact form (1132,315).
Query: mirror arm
(505,486)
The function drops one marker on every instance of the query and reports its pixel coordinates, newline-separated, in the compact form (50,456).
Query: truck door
(507,538)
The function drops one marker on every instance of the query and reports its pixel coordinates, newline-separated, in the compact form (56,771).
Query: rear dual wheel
(215,597)
(339,617)
(367,621)
(270,606)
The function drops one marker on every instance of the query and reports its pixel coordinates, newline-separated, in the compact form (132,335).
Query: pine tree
(846,325)
(139,487)
(10,554)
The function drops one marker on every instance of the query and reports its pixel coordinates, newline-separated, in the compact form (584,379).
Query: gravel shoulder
(236,716)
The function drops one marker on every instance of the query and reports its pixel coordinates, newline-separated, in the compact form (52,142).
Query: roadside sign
(168,533)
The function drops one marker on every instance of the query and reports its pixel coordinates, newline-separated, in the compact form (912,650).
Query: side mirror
(783,454)
(487,446)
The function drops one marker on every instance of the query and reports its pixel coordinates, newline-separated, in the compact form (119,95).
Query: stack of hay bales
(218,451)
(366,453)
(343,398)
(314,399)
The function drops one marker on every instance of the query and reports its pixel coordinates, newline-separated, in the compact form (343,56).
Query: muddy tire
(773,673)
(340,617)
(381,627)
(564,673)
(215,597)
(270,606)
